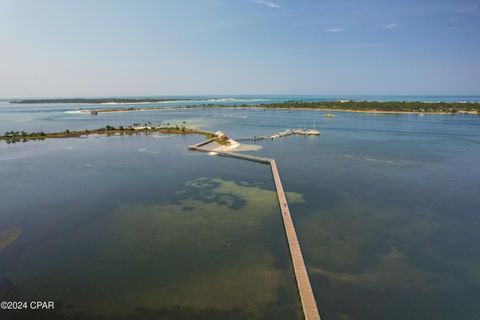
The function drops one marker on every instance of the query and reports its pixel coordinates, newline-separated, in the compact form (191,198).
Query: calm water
(386,208)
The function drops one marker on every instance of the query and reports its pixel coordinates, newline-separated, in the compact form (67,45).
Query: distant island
(343,105)
(380,106)
(98,100)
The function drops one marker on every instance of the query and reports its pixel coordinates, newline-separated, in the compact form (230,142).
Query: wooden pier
(285,133)
(233,155)
(202,143)
(252,138)
(307,299)
(309,305)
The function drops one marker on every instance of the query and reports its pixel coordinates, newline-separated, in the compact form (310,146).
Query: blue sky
(104,48)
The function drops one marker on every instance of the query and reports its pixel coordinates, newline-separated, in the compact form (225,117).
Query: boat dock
(307,298)
(286,133)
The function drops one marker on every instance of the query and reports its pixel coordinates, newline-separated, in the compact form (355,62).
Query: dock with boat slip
(307,298)
(286,133)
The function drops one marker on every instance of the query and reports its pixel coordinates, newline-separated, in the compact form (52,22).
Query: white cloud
(333,30)
(390,26)
(268,3)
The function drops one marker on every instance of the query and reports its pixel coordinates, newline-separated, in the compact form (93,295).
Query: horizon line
(242,94)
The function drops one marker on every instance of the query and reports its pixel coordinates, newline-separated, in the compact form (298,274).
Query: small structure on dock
(94,112)
(220,135)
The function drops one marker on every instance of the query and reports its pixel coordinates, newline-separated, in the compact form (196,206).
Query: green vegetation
(22,136)
(222,140)
(352,106)
(375,106)
(344,105)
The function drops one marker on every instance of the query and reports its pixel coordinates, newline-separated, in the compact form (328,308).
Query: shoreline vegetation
(393,107)
(381,106)
(22,136)
(99,100)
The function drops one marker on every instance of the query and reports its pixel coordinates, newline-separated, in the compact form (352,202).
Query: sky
(69,48)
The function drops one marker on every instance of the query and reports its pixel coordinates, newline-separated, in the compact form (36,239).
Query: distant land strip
(380,106)
(345,106)
(99,100)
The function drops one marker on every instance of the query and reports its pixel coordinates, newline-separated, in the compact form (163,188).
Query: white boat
(314,131)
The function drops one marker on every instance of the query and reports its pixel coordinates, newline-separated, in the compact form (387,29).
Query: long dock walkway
(232,155)
(309,305)
(201,143)
(307,299)
(285,133)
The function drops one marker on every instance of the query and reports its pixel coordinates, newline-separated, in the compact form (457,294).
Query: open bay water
(138,226)
(51,117)
(386,208)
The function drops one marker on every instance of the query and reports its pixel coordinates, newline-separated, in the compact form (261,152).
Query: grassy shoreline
(22,136)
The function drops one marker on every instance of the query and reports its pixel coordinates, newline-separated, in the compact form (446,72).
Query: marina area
(281,134)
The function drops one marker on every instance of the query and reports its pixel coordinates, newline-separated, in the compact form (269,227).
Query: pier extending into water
(286,133)
(198,145)
(307,298)
(309,305)
(231,155)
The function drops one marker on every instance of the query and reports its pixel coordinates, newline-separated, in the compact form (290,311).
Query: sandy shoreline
(232,145)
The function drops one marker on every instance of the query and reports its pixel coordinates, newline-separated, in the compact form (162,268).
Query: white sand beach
(231,146)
